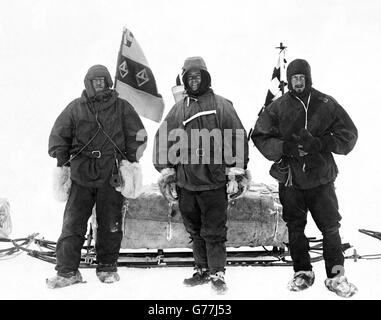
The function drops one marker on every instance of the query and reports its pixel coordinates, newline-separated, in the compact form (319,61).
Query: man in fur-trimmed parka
(299,132)
(200,148)
(97,140)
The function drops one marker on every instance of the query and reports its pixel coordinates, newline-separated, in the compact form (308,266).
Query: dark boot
(201,276)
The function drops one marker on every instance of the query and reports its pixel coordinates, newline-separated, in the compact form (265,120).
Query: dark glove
(310,143)
(290,149)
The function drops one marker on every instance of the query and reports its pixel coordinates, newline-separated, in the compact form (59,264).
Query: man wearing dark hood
(299,132)
(198,171)
(92,136)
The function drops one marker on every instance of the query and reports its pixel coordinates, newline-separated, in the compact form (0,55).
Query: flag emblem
(123,70)
(142,77)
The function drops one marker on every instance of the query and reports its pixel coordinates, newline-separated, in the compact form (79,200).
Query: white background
(46,48)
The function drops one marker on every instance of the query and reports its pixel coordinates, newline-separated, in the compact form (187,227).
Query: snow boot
(340,286)
(218,282)
(107,272)
(108,276)
(64,280)
(201,276)
(302,280)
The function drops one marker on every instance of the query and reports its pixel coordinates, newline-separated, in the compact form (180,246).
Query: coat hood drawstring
(305,119)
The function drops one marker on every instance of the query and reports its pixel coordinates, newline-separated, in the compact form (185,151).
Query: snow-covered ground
(24,278)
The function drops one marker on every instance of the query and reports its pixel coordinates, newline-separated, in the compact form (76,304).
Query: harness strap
(96,153)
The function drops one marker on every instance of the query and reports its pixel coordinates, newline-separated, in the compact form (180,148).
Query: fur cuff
(132,179)
(239,181)
(61,183)
(167,185)
(5,219)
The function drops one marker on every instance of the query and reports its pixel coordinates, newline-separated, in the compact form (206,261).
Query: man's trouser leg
(323,205)
(109,203)
(295,216)
(191,214)
(213,205)
(77,212)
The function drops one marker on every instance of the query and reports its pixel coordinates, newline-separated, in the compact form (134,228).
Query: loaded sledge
(154,235)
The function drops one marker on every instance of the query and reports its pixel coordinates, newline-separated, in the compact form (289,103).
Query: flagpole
(119,54)
(282,49)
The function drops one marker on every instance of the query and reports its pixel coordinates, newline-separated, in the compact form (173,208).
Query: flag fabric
(178,80)
(274,91)
(277,84)
(134,80)
(178,90)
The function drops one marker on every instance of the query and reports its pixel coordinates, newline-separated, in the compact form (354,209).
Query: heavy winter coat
(209,111)
(324,118)
(86,121)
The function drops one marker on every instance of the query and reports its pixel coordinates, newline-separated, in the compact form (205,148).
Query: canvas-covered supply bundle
(255,219)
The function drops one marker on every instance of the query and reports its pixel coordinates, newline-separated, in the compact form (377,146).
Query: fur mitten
(167,185)
(239,181)
(5,218)
(61,183)
(132,179)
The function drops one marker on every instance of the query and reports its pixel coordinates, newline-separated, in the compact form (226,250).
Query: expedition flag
(277,85)
(134,80)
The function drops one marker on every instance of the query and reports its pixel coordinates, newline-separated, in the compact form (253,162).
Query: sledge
(151,223)
(154,235)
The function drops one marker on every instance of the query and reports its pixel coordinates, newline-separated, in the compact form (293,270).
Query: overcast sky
(47,46)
